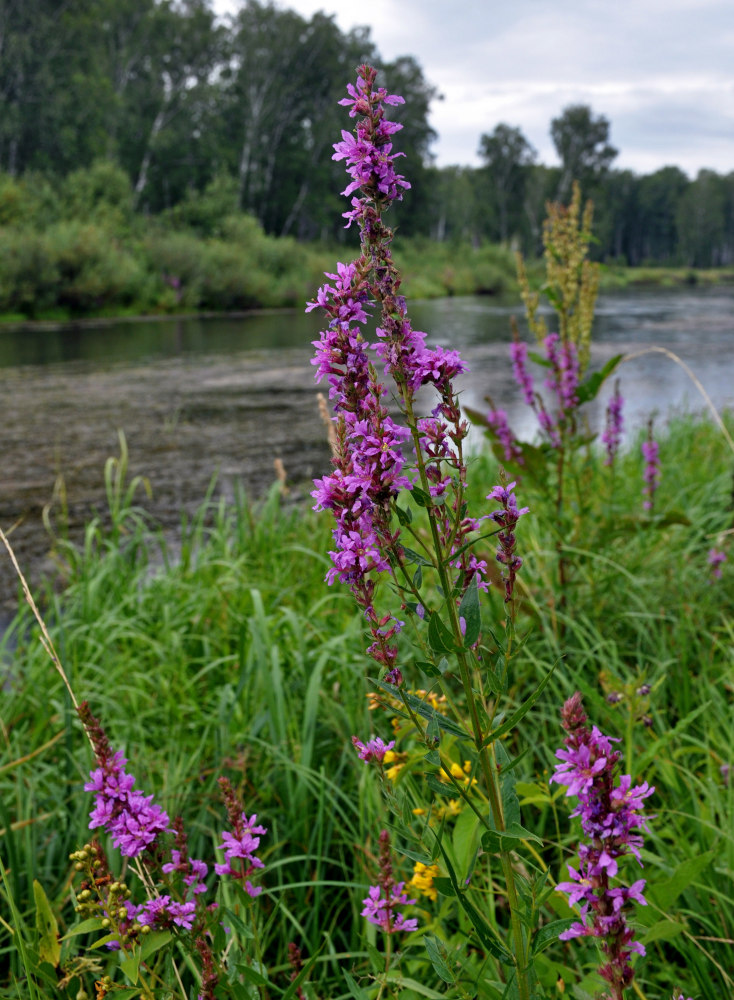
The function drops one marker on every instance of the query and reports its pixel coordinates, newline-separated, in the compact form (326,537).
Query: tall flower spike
(611,814)
(368,450)
(382,900)
(507,517)
(239,846)
(651,475)
(612,435)
(132,819)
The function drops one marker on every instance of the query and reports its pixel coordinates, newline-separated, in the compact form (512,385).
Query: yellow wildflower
(422,881)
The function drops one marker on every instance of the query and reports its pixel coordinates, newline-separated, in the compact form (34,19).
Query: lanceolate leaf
(49,946)
(470,611)
(589,389)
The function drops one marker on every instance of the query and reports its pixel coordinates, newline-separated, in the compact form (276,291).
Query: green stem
(486,754)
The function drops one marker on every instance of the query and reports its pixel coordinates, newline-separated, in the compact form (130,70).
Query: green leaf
(104,940)
(413,984)
(428,668)
(153,942)
(664,894)
(485,932)
(49,946)
(251,975)
(405,515)
(548,934)
(433,758)
(496,841)
(422,498)
(438,955)
(470,611)
(85,927)
(588,390)
(440,637)
(439,787)
(521,712)
(444,886)
(413,855)
(426,711)
(663,930)
(418,578)
(356,991)
(465,840)
(130,965)
(411,556)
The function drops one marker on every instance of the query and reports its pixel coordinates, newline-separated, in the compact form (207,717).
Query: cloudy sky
(661,71)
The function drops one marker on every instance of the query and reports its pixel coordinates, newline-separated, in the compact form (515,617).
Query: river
(228,395)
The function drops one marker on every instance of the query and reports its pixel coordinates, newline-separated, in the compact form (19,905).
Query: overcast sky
(661,71)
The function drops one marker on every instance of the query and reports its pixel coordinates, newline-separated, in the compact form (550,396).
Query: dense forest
(162,108)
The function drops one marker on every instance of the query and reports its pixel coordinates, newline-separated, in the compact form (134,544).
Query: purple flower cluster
(651,475)
(369,155)
(715,558)
(162,912)
(239,847)
(372,750)
(369,461)
(611,813)
(383,899)
(612,434)
(564,363)
(507,517)
(132,819)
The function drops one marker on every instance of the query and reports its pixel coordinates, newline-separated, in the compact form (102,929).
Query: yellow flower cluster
(422,881)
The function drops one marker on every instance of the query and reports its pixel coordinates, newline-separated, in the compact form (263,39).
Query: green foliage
(231,655)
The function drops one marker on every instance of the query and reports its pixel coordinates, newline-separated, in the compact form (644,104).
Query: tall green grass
(224,652)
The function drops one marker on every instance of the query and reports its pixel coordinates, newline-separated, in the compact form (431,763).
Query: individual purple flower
(133,821)
(611,814)
(519,356)
(612,435)
(373,750)
(651,475)
(239,847)
(715,558)
(507,517)
(383,899)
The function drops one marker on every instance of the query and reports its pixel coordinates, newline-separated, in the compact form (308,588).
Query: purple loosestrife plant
(174,882)
(611,814)
(377,456)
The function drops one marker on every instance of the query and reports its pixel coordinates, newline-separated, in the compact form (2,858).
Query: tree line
(187,104)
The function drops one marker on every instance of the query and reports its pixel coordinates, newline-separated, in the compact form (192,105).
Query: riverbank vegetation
(226,653)
(154,158)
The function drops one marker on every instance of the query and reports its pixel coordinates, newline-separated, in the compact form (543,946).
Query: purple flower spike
(519,355)
(651,475)
(715,558)
(612,435)
(131,818)
(611,814)
(507,517)
(239,847)
(383,899)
